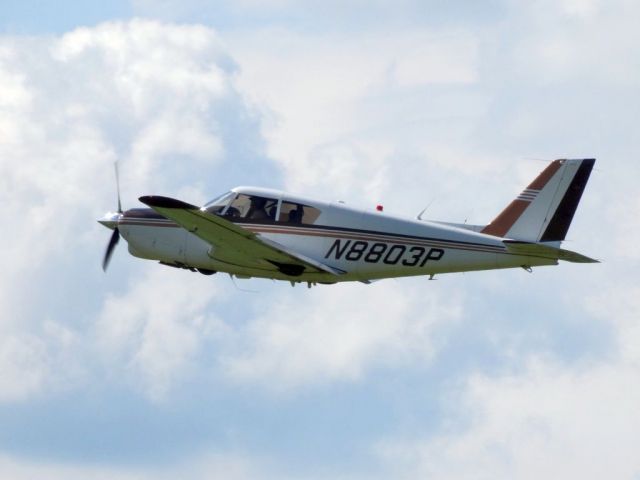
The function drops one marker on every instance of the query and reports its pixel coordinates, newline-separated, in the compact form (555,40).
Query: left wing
(242,245)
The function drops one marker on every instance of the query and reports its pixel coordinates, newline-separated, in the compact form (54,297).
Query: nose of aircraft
(110,220)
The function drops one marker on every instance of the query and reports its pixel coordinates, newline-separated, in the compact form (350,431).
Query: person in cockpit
(257,210)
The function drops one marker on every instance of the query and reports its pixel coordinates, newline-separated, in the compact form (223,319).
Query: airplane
(265,233)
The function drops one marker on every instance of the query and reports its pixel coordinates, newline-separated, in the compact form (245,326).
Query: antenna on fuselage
(419,217)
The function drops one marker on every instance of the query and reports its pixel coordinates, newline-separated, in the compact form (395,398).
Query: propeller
(111,221)
(113,241)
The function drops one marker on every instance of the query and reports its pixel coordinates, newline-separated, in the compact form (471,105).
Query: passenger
(257,210)
(295,216)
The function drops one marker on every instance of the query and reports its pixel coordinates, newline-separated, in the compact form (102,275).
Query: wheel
(205,271)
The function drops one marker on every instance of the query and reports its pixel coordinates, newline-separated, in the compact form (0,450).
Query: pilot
(257,210)
(295,216)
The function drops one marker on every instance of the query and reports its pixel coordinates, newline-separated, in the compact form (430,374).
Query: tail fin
(544,210)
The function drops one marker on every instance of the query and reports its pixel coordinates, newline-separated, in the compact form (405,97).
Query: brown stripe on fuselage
(387,239)
(500,225)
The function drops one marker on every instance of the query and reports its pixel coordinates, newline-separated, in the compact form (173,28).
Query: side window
(252,207)
(298,213)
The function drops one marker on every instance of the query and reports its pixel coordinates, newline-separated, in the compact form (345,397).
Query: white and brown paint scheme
(257,232)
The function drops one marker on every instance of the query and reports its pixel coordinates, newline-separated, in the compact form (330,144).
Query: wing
(235,244)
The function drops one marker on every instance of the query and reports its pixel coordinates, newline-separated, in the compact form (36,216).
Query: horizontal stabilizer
(545,251)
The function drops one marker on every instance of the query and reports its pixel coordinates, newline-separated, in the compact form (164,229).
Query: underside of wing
(234,244)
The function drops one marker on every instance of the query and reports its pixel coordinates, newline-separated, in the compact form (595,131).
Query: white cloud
(339,334)
(620,306)
(321,97)
(581,8)
(398,114)
(151,95)
(577,40)
(148,93)
(154,332)
(627,229)
(23,366)
(431,59)
(208,466)
(141,92)
(550,420)
(30,361)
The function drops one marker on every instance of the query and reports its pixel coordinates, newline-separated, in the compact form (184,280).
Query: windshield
(217,205)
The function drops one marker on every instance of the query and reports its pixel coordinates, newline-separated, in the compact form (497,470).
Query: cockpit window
(217,205)
(252,207)
(298,213)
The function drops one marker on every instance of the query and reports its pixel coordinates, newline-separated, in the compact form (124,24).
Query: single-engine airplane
(258,232)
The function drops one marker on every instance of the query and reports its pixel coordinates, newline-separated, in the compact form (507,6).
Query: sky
(149,372)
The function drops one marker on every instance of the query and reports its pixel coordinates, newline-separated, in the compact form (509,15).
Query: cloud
(321,97)
(207,466)
(519,384)
(158,98)
(165,101)
(551,419)
(153,333)
(447,58)
(339,334)
(627,231)
(92,96)
(23,366)
(567,39)
(46,358)
(375,115)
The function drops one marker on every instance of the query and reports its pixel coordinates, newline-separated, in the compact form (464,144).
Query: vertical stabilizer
(544,210)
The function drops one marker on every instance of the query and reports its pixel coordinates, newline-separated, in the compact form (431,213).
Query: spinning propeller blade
(113,241)
(118,187)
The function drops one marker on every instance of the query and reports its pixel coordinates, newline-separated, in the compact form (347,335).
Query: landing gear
(205,271)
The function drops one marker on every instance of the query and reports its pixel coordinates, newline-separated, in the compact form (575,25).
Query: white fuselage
(367,244)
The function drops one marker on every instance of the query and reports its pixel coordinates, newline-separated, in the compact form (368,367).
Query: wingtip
(157,201)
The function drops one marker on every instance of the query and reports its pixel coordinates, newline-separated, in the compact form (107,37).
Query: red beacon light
(379,208)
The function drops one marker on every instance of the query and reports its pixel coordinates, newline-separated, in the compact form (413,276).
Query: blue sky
(148,372)
(42,17)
